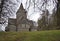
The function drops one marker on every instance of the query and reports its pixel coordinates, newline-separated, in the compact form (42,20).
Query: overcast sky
(34,15)
(31,15)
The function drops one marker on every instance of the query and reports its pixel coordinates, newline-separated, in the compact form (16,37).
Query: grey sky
(36,15)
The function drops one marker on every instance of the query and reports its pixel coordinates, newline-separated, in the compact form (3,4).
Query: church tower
(21,14)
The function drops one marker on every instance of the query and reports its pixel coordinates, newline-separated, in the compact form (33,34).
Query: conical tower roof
(21,8)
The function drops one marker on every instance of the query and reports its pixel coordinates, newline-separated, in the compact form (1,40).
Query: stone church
(21,23)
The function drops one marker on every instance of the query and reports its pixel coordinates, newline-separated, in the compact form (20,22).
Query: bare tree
(8,8)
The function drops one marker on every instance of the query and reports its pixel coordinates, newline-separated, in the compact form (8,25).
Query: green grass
(53,35)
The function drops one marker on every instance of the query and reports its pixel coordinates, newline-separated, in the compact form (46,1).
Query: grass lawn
(53,35)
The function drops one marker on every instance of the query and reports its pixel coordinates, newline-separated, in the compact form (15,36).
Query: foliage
(58,14)
(41,25)
(55,23)
(52,23)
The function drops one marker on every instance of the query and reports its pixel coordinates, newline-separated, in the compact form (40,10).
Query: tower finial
(21,6)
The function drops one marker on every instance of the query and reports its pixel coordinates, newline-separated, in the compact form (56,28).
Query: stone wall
(12,28)
(23,27)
